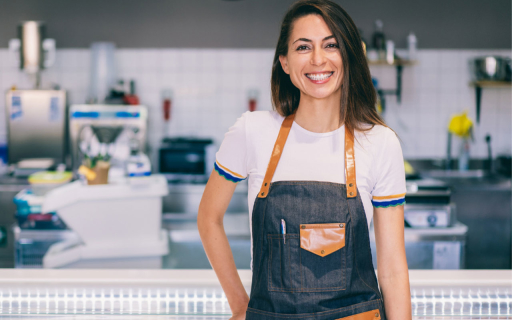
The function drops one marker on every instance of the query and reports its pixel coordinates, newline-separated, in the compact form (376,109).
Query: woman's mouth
(319,77)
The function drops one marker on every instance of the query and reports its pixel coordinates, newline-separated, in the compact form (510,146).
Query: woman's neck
(319,115)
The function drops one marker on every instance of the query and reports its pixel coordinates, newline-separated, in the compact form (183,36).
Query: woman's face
(313,60)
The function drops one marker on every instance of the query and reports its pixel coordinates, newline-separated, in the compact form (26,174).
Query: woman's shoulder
(265,119)
(376,137)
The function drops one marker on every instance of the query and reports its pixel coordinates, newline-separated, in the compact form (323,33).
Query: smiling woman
(312,196)
(322,42)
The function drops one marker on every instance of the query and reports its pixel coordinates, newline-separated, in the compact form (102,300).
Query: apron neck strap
(350,165)
(276,154)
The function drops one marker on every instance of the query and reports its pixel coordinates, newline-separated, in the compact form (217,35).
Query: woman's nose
(318,57)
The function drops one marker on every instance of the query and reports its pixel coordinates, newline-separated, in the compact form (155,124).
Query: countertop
(202,277)
(196,294)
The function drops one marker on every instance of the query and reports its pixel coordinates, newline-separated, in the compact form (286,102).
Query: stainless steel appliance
(432,248)
(186,159)
(36,125)
(434,239)
(493,68)
(85,118)
(428,204)
(31,50)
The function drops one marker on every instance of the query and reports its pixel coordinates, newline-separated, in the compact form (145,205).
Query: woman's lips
(319,77)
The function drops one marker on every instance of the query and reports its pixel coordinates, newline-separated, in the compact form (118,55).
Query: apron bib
(322,267)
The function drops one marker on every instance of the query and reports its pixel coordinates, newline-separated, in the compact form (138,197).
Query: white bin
(119,220)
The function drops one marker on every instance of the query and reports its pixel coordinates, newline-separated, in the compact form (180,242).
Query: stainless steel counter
(196,294)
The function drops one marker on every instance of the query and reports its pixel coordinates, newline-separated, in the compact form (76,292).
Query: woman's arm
(215,200)
(392,268)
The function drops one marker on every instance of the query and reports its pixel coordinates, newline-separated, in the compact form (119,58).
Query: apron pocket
(283,262)
(322,259)
(368,315)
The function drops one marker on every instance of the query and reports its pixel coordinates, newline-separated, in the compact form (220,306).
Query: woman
(311,195)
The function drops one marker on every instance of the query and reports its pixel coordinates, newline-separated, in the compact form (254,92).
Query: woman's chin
(320,94)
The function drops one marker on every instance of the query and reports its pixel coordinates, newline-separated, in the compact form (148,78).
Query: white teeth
(318,76)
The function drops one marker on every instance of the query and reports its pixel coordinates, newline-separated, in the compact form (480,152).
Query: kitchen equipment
(379,40)
(106,129)
(131,98)
(113,221)
(252,95)
(432,248)
(427,192)
(429,215)
(29,213)
(103,71)
(31,245)
(31,50)
(412,46)
(36,125)
(428,205)
(492,68)
(187,159)
(44,181)
(166,108)
(504,165)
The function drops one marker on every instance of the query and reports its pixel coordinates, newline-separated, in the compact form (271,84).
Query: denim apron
(322,267)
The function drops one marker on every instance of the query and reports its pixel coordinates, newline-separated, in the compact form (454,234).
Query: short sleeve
(389,188)
(231,159)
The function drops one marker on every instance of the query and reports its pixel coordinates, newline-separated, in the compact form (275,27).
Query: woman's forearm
(219,253)
(397,296)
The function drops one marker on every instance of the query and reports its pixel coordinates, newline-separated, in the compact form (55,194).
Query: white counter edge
(191,277)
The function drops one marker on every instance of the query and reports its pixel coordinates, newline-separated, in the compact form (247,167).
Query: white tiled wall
(210,89)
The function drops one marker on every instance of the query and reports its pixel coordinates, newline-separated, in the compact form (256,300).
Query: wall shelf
(479,85)
(399,65)
(397,62)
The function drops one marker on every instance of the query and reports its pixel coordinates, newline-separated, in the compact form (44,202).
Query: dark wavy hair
(358,96)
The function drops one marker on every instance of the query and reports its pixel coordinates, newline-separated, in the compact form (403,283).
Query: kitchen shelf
(399,65)
(479,85)
(491,84)
(397,62)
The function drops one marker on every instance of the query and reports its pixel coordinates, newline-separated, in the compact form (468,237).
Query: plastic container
(29,213)
(412,46)
(114,221)
(44,181)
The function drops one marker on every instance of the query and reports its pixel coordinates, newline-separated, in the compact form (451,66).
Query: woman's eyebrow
(308,40)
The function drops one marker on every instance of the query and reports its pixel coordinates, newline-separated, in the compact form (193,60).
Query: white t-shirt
(247,146)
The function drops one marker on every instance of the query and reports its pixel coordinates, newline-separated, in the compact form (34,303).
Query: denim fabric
(290,282)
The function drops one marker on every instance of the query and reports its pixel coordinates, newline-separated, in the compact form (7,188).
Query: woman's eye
(301,48)
(332,45)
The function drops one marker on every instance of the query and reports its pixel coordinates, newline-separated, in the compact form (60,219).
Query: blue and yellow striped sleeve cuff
(228,174)
(388,201)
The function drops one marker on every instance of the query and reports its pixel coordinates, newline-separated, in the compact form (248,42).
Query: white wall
(210,91)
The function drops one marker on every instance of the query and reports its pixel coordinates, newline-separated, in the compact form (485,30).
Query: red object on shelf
(131,99)
(252,105)
(167,109)
(40,217)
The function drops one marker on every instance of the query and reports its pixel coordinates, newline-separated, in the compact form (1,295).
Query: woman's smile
(319,77)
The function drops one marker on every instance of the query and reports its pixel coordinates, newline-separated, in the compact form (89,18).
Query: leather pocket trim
(368,315)
(322,239)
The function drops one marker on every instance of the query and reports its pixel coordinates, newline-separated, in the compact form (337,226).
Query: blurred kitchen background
(179,73)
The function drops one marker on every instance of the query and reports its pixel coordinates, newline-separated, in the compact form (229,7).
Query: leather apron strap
(350,165)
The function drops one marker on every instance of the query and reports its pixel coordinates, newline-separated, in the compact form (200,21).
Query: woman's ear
(284,64)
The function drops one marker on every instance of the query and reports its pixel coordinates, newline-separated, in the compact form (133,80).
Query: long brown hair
(358,96)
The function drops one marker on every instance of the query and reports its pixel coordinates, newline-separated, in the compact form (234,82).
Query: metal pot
(493,68)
